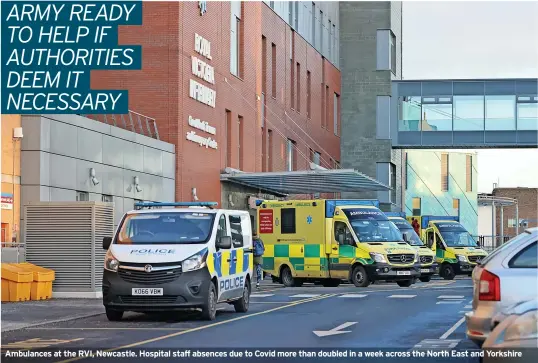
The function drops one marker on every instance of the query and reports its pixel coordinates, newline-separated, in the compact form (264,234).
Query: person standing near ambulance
(259,250)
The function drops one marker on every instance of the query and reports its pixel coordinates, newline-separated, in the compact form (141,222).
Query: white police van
(175,256)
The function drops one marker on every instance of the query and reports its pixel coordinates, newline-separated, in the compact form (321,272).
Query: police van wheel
(405,283)
(447,272)
(359,277)
(209,310)
(241,305)
(113,315)
(287,277)
(425,278)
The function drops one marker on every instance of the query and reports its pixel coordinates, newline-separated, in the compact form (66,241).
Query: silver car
(507,276)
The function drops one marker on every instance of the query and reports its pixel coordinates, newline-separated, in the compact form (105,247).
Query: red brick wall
(161,90)
(527,204)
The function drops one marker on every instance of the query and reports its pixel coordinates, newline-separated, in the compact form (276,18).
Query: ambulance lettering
(232,284)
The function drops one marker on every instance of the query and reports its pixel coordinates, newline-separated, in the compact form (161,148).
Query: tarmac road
(424,316)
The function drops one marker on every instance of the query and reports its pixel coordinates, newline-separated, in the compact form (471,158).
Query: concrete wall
(58,152)
(424,181)
(362,83)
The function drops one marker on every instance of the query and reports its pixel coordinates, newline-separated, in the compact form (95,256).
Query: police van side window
(237,231)
(221,230)
(287,216)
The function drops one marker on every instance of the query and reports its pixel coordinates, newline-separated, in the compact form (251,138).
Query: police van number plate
(147,291)
(403,273)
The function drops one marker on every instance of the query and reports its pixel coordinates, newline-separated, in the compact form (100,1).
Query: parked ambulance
(457,252)
(428,265)
(333,240)
(164,258)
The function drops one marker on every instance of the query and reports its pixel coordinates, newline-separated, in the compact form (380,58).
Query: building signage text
(7,201)
(208,142)
(202,125)
(201,69)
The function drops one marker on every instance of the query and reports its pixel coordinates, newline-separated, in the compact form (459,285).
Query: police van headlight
(195,262)
(377,257)
(461,258)
(111,264)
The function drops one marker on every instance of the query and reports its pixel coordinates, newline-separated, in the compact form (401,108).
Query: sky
(480,39)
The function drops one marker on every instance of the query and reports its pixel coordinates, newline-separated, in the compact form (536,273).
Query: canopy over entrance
(307,181)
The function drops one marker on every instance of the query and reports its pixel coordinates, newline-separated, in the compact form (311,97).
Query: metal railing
(490,243)
(133,121)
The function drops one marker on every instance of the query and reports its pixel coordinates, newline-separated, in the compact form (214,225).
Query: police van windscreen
(166,228)
(455,235)
(404,227)
(372,225)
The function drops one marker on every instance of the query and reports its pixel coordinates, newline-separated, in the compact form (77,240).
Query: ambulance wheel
(359,277)
(404,283)
(241,305)
(209,310)
(287,277)
(331,283)
(425,278)
(113,315)
(447,272)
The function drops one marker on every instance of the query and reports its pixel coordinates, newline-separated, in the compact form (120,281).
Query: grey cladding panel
(63,139)
(383,117)
(62,173)
(112,180)
(436,88)
(83,176)
(133,156)
(62,195)
(113,151)
(153,162)
(468,88)
(90,145)
(169,165)
(500,88)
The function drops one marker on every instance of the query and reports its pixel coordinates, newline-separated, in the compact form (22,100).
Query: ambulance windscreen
(455,235)
(372,225)
(166,228)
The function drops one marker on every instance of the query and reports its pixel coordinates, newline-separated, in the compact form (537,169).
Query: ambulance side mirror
(224,242)
(107,241)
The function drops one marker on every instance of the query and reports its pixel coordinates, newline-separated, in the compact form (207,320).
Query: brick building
(527,199)
(259,89)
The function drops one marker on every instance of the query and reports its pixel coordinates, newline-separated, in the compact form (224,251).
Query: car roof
(183,210)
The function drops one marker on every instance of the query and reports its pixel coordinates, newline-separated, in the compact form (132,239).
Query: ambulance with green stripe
(456,251)
(174,256)
(428,265)
(329,241)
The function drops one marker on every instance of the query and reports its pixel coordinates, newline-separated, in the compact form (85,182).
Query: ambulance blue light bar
(395,214)
(330,205)
(426,219)
(150,205)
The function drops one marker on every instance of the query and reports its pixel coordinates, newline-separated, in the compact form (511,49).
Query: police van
(175,256)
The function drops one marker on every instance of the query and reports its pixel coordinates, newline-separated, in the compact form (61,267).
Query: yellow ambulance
(456,251)
(428,265)
(329,241)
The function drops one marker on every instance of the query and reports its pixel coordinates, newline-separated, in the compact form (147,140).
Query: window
(437,113)
(229,138)
(262,110)
(469,173)
(392,182)
(221,229)
(292,84)
(107,198)
(342,234)
(527,113)
(335,48)
(272,4)
(270,151)
(386,50)
(296,15)
(323,106)
(336,105)
(327,110)
(406,176)
(468,113)
(235,38)
(500,112)
(393,53)
(527,258)
(264,64)
(315,157)
(287,216)
(313,14)
(290,155)
(290,13)
(298,76)
(416,207)
(273,70)
(240,144)
(409,113)
(444,172)
(83,197)
(329,30)
(308,94)
(511,223)
(321,32)
(236,230)
(456,206)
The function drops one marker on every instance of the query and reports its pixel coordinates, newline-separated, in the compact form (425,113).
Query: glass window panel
(468,113)
(410,110)
(428,99)
(437,117)
(523,98)
(527,116)
(500,113)
(444,99)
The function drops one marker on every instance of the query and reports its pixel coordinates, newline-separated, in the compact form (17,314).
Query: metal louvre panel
(63,236)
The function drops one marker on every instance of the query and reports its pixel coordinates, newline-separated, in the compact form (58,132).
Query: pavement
(423,316)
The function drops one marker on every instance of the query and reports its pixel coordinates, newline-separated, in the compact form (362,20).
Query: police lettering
(153,251)
(232,284)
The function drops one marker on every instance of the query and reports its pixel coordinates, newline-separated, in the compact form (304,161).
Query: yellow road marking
(36,343)
(208,326)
